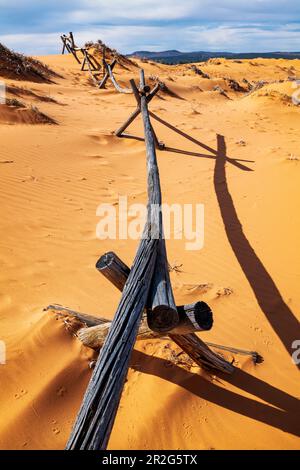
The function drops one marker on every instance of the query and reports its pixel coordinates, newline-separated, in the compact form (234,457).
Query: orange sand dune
(52,180)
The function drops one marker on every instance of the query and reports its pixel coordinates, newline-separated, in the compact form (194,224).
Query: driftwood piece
(85,318)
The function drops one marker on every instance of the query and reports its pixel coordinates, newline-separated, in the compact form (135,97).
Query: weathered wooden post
(93,67)
(96,416)
(106,76)
(148,285)
(104,59)
(69,45)
(65,46)
(120,132)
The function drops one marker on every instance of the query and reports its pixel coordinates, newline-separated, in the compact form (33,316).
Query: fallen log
(95,329)
(96,416)
(93,338)
(85,318)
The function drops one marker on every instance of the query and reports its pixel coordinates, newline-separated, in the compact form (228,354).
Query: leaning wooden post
(106,76)
(96,416)
(104,59)
(161,301)
(73,47)
(120,132)
(64,43)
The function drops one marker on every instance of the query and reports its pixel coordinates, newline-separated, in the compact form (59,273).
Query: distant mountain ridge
(176,57)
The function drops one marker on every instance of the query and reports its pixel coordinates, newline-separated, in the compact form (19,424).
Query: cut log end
(162,318)
(198,315)
(105,261)
(113,268)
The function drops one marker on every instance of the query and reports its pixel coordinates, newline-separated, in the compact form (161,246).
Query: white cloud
(235,25)
(128,38)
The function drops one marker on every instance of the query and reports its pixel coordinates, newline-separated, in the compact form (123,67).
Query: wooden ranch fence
(147,307)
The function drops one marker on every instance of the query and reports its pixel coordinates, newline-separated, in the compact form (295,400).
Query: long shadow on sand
(281,413)
(233,161)
(280,317)
(283,409)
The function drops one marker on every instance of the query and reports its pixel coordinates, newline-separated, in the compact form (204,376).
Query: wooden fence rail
(93,66)
(95,419)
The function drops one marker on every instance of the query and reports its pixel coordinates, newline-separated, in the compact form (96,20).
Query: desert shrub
(15,102)
(19,66)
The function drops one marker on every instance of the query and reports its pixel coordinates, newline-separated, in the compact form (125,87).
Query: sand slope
(52,179)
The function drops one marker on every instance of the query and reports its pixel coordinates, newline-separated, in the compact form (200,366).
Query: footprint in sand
(56,431)
(20,394)
(61,391)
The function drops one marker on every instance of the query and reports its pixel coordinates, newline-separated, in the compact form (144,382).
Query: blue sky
(34,26)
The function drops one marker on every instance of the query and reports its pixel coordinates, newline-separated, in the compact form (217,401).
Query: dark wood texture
(201,354)
(191,318)
(70,46)
(96,416)
(93,338)
(194,317)
(113,268)
(162,313)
